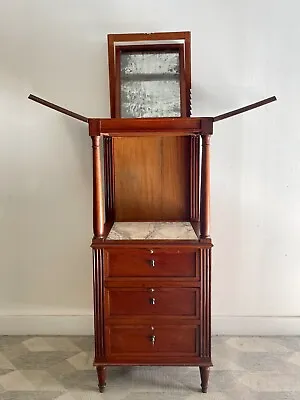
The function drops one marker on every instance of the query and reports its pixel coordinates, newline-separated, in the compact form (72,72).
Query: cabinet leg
(204,374)
(101,372)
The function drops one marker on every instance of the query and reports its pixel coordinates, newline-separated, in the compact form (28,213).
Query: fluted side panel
(205,302)
(98,302)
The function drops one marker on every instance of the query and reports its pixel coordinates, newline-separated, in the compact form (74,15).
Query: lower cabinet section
(146,341)
(152,307)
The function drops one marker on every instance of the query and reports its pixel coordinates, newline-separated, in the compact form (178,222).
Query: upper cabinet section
(150,75)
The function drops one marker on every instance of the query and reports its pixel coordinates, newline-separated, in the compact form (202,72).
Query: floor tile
(33,395)
(42,380)
(80,380)
(209,396)
(271,382)
(62,344)
(256,344)
(278,396)
(5,363)
(276,362)
(6,341)
(294,358)
(15,381)
(82,361)
(85,343)
(13,351)
(290,342)
(61,368)
(37,344)
(41,359)
(157,396)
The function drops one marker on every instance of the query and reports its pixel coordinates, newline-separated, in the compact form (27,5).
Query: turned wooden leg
(204,374)
(101,372)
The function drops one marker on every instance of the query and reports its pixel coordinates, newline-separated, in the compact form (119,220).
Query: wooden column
(98,203)
(205,188)
(195,179)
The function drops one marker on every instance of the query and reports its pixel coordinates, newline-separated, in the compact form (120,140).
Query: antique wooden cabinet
(151,263)
(151,195)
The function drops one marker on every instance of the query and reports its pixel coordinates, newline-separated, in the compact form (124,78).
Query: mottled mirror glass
(150,84)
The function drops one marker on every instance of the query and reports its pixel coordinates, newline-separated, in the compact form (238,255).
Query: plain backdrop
(242,51)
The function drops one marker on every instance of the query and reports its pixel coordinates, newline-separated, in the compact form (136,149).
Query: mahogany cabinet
(151,267)
(151,202)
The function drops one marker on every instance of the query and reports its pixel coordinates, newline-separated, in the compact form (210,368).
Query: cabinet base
(204,376)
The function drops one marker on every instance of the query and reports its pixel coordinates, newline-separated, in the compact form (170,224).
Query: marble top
(151,231)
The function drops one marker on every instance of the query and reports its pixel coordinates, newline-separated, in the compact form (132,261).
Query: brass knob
(151,290)
(152,300)
(153,338)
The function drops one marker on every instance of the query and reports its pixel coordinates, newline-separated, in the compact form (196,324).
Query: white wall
(242,51)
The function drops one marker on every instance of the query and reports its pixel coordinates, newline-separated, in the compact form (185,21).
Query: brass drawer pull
(153,338)
(152,300)
(152,263)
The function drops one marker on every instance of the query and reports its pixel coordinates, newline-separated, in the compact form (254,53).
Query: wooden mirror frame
(149,41)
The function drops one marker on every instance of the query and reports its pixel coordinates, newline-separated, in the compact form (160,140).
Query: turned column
(98,199)
(205,188)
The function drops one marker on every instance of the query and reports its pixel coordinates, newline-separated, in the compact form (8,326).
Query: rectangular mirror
(149,83)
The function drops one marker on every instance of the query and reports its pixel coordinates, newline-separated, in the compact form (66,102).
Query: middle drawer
(165,302)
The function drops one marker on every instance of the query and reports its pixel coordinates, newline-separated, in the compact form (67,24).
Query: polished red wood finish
(152,298)
(98,206)
(151,263)
(145,302)
(138,342)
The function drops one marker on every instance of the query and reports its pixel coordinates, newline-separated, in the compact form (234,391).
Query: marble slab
(152,231)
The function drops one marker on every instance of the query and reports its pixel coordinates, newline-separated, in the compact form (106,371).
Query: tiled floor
(245,368)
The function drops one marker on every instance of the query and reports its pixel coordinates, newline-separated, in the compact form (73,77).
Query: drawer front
(132,341)
(141,263)
(171,302)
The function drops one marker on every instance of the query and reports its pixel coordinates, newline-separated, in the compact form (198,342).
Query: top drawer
(151,263)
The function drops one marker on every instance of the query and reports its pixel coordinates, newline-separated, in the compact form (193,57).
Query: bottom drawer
(130,341)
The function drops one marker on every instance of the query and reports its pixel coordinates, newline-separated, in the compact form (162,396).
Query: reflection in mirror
(150,84)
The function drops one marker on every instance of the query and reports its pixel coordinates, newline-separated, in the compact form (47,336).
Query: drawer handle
(152,300)
(153,338)
(152,263)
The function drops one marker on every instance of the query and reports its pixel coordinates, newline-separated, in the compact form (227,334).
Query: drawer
(132,341)
(164,302)
(152,263)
